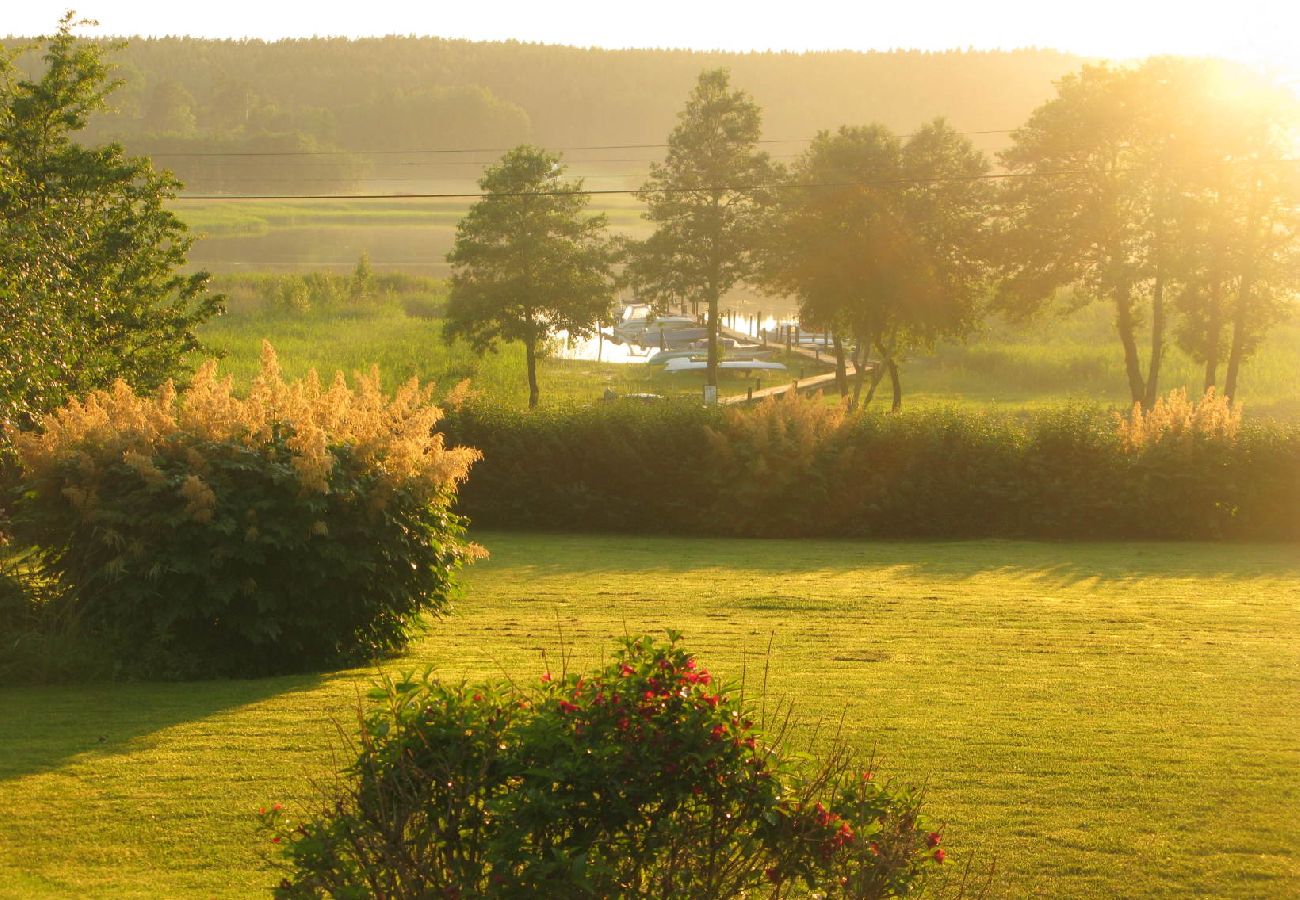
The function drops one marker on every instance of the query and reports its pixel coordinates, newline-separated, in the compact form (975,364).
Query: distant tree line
(191,95)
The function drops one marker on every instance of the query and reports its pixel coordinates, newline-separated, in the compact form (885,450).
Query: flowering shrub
(1174,417)
(204,533)
(646,778)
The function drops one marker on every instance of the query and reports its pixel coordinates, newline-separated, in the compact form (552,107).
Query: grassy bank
(1099,719)
(404,346)
(1028,367)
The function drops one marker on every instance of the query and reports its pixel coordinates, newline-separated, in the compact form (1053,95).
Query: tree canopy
(90,282)
(1167,180)
(703,200)
(528,261)
(882,240)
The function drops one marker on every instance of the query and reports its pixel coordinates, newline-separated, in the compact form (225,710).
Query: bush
(798,467)
(643,779)
(204,534)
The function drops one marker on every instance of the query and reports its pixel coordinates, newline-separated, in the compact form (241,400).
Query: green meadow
(1004,367)
(1089,720)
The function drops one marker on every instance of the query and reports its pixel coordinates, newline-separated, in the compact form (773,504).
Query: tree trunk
(863,343)
(841,374)
(1124,325)
(531,347)
(1157,342)
(1240,324)
(712,378)
(890,366)
(1213,336)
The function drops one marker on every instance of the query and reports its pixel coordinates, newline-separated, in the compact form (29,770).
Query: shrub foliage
(204,533)
(802,467)
(644,779)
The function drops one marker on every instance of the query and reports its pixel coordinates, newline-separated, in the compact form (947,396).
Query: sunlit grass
(1098,720)
(403,346)
(1005,368)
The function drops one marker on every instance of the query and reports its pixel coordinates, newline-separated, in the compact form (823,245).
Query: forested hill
(186,94)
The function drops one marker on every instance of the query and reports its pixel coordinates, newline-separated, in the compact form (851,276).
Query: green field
(1095,720)
(1003,367)
(404,346)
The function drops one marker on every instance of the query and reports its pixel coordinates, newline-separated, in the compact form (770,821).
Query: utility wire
(606,191)
(779,185)
(236,153)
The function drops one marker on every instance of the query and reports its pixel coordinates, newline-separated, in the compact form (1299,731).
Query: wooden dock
(805,385)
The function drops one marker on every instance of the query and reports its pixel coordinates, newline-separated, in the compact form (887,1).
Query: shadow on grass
(42,727)
(1052,563)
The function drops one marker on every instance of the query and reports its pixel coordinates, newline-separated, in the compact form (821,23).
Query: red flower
(690,664)
(773,874)
(713,700)
(275,840)
(718,731)
(934,837)
(939,855)
(566,706)
(625,670)
(478,698)
(546,676)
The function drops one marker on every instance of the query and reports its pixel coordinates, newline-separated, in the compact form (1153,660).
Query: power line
(782,185)
(608,191)
(442,150)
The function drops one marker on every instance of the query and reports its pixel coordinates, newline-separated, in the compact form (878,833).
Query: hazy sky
(1256,31)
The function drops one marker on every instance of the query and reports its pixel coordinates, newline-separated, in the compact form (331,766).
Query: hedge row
(803,468)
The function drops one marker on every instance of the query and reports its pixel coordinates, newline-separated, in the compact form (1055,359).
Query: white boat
(685,364)
(663,357)
(635,328)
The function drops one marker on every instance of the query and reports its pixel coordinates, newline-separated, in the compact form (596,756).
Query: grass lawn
(1098,719)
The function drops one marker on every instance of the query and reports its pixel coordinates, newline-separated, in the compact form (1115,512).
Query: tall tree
(1078,211)
(1143,184)
(1238,227)
(90,259)
(704,202)
(883,241)
(528,260)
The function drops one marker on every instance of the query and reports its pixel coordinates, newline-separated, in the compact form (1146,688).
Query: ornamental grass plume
(1175,417)
(395,437)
